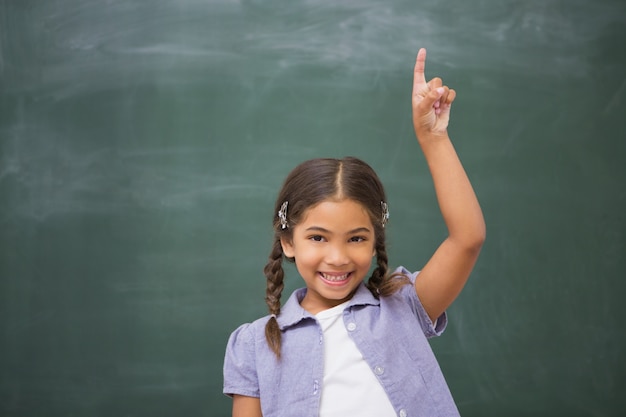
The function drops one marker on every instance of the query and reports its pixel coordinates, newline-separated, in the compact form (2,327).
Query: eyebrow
(350,232)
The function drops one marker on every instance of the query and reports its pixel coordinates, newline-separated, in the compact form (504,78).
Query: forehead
(340,214)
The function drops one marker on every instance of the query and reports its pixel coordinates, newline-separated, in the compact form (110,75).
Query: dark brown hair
(307,185)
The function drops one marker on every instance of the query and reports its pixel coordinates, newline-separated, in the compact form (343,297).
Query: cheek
(307,257)
(365,258)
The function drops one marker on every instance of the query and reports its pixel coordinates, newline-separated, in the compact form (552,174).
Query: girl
(340,346)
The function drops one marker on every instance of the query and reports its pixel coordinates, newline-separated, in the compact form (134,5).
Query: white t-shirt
(350,387)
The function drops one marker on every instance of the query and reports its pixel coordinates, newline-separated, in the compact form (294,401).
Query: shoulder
(245,342)
(291,314)
(406,300)
(406,292)
(248,333)
(402,271)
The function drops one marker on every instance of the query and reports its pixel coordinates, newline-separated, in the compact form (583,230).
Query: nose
(337,255)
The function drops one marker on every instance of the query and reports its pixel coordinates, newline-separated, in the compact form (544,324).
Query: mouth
(335,278)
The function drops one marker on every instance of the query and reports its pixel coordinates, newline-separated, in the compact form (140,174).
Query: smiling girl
(348,344)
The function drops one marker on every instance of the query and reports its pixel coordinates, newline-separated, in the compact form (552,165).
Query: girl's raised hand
(431,102)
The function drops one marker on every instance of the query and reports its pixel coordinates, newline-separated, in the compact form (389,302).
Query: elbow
(473,242)
(477,245)
(478,239)
(470,238)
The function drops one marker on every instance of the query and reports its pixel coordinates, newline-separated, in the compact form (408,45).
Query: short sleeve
(240,375)
(429,328)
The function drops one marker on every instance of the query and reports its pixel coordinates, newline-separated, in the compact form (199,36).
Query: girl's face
(333,247)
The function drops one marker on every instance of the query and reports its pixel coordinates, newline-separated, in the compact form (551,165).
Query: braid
(274,274)
(376,280)
(380,284)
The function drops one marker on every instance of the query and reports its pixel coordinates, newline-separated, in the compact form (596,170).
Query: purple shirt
(391,333)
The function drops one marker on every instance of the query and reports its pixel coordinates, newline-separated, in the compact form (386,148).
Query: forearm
(457,201)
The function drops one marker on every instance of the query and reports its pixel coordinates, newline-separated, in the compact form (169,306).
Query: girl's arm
(246,406)
(444,275)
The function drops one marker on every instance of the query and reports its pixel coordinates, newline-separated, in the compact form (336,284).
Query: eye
(316,238)
(358,239)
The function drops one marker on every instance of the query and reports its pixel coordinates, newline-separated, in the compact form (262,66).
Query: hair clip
(282,215)
(385,216)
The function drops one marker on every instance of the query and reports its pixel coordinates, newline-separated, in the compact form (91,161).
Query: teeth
(334,277)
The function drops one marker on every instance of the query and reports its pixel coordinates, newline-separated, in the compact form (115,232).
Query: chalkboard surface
(142,144)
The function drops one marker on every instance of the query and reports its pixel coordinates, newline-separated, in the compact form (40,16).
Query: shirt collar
(292,312)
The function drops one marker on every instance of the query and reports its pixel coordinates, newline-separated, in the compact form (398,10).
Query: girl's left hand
(431,102)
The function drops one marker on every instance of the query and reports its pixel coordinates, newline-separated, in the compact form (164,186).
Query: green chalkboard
(142,143)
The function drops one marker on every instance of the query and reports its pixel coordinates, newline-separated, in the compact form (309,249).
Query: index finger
(420,63)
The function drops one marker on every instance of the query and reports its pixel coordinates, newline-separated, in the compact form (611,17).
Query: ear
(287,246)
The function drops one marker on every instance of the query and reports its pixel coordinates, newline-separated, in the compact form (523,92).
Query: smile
(335,278)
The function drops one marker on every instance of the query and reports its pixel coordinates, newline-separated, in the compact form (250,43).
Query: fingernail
(440,90)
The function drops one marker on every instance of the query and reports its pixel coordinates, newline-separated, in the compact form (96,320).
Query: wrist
(426,138)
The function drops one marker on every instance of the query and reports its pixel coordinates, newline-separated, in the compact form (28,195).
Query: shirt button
(402,413)
(379,370)
(351,327)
